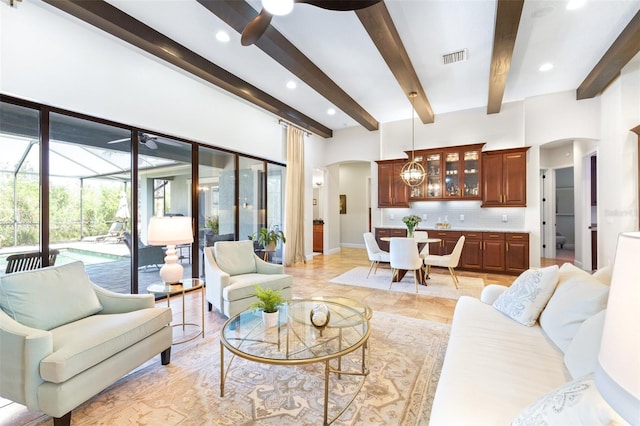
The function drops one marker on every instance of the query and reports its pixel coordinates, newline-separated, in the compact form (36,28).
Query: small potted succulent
(269,238)
(269,300)
(411,222)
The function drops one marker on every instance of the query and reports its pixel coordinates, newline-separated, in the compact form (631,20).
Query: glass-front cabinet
(452,173)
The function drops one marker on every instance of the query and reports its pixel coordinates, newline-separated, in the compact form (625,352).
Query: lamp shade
(617,374)
(169,230)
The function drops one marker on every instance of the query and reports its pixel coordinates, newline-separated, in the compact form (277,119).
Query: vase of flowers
(411,221)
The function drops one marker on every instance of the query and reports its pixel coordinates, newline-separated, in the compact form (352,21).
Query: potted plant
(269,238)
(411,221)
(268,302)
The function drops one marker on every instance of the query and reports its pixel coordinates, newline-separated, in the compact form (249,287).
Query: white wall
(91,72)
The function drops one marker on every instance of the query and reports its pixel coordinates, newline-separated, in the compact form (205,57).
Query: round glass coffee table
(295,341)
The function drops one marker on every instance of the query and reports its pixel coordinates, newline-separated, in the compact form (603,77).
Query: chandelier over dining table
(412,173)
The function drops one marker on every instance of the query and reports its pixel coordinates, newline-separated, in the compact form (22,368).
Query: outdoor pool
(88,257)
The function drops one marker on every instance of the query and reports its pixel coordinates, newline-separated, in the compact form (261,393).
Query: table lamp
(170,231)
(617,374)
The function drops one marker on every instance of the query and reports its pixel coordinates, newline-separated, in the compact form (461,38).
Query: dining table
(423,276)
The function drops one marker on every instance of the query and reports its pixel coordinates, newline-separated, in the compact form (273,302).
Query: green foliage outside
(99,202)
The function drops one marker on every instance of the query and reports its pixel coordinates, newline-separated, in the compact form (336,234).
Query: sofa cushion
(243,286)
(575,403)
(102,336)
(581,355)
(528,295)
(604,274)
(49,297)
(576,299)
(235,257)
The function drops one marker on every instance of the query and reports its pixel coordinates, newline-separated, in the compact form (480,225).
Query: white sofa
(232,270)
(496,367)
(63,339)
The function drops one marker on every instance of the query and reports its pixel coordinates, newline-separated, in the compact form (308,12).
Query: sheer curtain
(294,198)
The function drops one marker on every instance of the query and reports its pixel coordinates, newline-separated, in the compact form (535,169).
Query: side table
(186,285)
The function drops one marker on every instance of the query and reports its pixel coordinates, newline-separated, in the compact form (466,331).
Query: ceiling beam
(238,13)
(378,23)
(508,14)
(619,54)
(117,23)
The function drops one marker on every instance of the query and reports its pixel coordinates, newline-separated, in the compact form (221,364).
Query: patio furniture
(147,255)
(114,234)
(28,261)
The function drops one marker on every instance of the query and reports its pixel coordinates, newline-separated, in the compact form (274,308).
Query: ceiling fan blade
(255,28)
(150,143)
(340,5)
(119,140)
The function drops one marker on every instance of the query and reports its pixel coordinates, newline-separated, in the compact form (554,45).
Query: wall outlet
(461,218)
(424,216)
(504,218)
(392,216)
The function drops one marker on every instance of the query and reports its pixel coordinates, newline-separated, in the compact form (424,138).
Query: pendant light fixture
(412,173)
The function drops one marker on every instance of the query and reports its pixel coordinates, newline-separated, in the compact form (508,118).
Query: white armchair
(232,269)
(63,339)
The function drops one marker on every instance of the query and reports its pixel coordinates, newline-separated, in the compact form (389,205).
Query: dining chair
(404,255)
(375,253)
(422,236)
(447,261)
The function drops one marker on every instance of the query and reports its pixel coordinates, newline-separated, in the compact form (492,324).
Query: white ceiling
(338,44)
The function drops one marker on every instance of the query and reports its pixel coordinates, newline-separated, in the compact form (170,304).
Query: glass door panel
(251,197)
(434,177)
(89,198)
(164,189)
(471,169)
(276,178)
(452,174)
(217,201)
(19,181)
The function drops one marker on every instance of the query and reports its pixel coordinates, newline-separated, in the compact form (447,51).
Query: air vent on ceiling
(449,58)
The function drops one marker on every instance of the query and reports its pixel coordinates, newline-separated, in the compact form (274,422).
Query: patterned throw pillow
(528,295)
(575,403)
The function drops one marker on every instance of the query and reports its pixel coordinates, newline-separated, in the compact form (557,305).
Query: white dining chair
(422,236)
(404,255)
(446,261)
(375,253)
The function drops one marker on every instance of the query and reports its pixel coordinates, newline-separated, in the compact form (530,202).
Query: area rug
(405,364)
(439,285)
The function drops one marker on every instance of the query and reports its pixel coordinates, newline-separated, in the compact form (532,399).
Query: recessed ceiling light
(575,4)
(222,36)
(546,66)
(278,7)
(331,111)
(291,84)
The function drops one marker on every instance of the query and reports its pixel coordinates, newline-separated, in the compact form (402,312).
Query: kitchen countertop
(458,229)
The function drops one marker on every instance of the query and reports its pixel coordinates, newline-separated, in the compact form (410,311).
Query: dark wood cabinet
(500,252)
(471,257)
(388,233)
(504,178)
(493,251)
(517,252)
(318,238)
(452,173)
(392,192)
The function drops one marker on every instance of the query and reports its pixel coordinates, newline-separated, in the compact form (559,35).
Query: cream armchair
(63,339)
(232,269)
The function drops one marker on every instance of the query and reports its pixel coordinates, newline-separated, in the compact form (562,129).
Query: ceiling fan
(258,25)
(150,142)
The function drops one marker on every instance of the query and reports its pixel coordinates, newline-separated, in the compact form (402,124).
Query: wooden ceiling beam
(238,13)
(508,14)
(378,23)
(117,23)
(619,54)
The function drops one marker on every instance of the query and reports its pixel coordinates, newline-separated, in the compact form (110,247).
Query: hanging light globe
(412,173)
